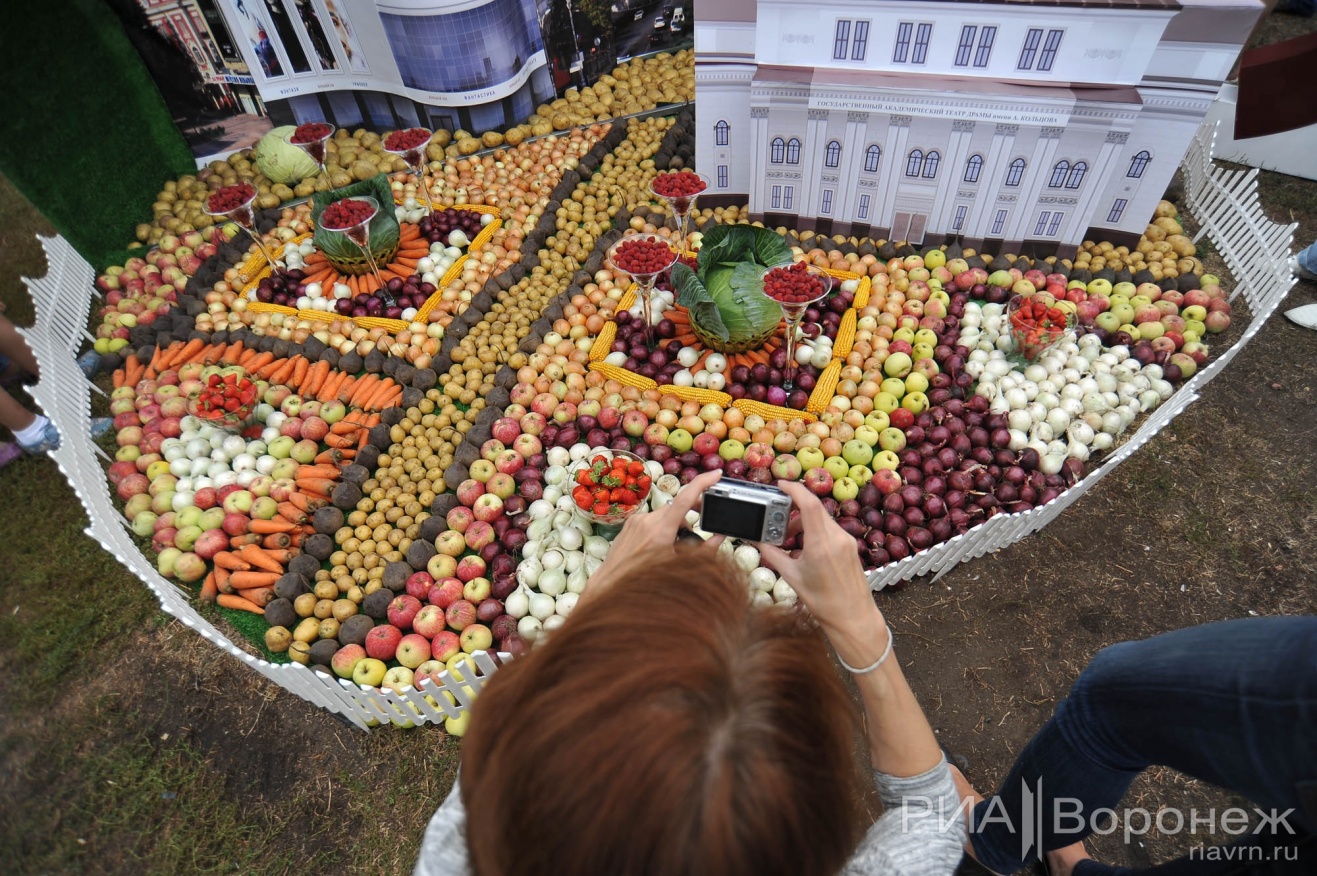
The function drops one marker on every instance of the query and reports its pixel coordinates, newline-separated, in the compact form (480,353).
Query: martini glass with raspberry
(352,217)
(795,287)
(234,203)
(409,145)
(311,137)
(680,190)
(643,257)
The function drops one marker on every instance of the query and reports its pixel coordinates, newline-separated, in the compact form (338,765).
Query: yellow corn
(841,345)
(696,394)
(862,293)
(603,344)
(623,376)
(826,385)
(628,299)
(252,266)
(771,412)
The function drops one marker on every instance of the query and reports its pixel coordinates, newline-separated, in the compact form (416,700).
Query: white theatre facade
(1013,125)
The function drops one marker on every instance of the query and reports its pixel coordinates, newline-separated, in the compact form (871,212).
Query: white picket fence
(1225,202)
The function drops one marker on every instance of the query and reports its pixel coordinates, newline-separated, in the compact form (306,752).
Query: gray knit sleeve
(443,850)
(921,831)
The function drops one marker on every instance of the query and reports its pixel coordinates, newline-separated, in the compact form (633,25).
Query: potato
(364,170)
(1170,225)
(1181,245)
(1165,209)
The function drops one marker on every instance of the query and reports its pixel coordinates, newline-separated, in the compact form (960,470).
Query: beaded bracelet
(887,652)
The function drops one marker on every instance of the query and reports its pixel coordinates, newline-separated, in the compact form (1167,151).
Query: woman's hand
(828,574)
(653,535)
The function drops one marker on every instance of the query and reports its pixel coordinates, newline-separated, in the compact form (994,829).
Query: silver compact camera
(741,509)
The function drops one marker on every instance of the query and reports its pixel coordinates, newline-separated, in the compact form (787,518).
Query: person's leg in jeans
(1233,704)
(1306,262)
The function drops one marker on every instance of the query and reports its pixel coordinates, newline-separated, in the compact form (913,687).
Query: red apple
(402,610)
(445,592)
(382,641)
(419,584)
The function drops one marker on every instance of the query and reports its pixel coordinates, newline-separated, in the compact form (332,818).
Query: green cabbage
(281,161)
(726,296)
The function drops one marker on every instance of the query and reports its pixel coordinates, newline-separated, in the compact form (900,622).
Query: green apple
(837,467)
(281,447)
(876,420)
(892,439)
(1150,330)
(369,672)
(1194,313)
(1131,330)
(926,336)
(1099,287)
(868,434)
(1138,301)
(897,365)
(844,488)
(285,469)
(1107,321)
(904,334)
(921,351)
(861,474)
(915,402)
(893,386)
(731,449)
(884,403)
(1123,312)
(857,452)
(915,382)
(935,259)
(680,440)
(1124,288)
(885,459)
(809,457)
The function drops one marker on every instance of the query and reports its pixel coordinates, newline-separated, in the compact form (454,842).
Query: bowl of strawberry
(1038,323)
(224,201)
(641,255)
(226,401)
(796,285)
(681,187)
(608,486)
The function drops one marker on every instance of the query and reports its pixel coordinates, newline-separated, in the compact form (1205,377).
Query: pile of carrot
(244,576)
(412,247)
(311,380)
(680,317)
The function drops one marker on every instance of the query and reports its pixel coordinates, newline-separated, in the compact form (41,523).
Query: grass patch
(137,804)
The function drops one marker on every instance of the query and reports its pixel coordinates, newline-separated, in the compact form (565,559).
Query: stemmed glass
(643,257)
(414,156)
(795,287)
(360,235)
(310,138)
(680,190)
(225,204)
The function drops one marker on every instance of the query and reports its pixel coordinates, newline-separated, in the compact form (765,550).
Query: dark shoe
(1300,8)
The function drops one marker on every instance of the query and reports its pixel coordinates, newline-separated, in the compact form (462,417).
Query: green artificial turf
(88,138)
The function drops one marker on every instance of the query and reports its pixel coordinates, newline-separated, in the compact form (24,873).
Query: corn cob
(603,344)
(862,293)
(696,394)
(771,412)
(826,385)
(628,298)
(841,345)
(623,376)
(254,267)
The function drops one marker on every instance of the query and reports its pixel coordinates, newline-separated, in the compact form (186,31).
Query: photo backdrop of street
(230,70)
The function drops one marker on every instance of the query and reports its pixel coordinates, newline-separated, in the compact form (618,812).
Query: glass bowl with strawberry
(608,486)
(1038,323)
(226,400)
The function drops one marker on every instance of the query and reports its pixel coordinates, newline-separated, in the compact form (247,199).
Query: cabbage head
(281,161)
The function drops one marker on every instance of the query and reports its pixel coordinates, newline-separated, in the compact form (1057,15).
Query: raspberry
(310,132)
(642,255)
(402,141)
(230,198)
(793,285)
(345,214)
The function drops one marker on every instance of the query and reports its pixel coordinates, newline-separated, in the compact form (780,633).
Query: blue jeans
(1233,704)
(1307,258)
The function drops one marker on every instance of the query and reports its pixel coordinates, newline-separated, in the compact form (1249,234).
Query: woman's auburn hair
(669,728)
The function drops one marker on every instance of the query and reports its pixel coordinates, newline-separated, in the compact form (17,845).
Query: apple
(459,518)
(858,452)
(527,445)
(461,614)
(382,641)
(819,481)
(476,637)
(509,461)
(505,429)
(445,645)
(429,621)
(501,486)
(239,502)
(471,567)
(476,590)
(402,610)
(488,507)
(786,467)
(679,440)
(345,660)
(370,672)
(837,467)
(441,565)
(705,444)
(471,489)
(479,534)
(444,593)
(413,650)
(654,434)
(634,424)
(886,480)
(399,678)
(759,455)
(419,584)
(867,433)
(810,458)
(482,470)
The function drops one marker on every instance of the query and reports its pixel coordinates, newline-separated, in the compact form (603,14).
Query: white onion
(763,579)
(784,592)
(552,493)
(1036,373)
(579,452)
(517,604)
(558,456)
(1081,432)
(997,367)
(574,561)
(563,605)
(1103,441)
(1149,399)
(1043,431)
(761,599)
(1019,420)
(530,568)
(530,628)
(1058,419)
(539,508)
(1078,451)
(539,528)
(541,605)
(596,546)
(1095,401)
(577,581)
(553,582)
(1051,463)
(999,405)
(1048,400)
(552,559)
(1019,440)
(1016,398)
(570,538)
(555,474)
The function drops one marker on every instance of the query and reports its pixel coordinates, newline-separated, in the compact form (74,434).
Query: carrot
(368,283)
(258,362)
(158,358)
(317,257)
(678,315)
(246,580)
(281,375)
(187,353)
(261,596)
(345,391)
(282,556)
(315,378)
(393,398)
(237,603)
(366,386)
(323,486)
(222,579)
(277,540)
(300,366)
(317,471)
(254,555)
(235,350)
(408,232)
(209,588)
(117,379)
(340,442)
(246,358)
(265,527)
(246,538)
(232,562)
(405,261)
(332,456)
(329,389)
(290,512)
(304,503)
(353,286)
(344,427)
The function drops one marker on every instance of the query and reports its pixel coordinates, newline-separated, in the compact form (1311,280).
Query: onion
(541,605)
(517,604)
(1051,463)
(529,628)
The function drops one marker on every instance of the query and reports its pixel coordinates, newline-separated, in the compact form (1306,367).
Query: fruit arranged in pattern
(230,198)
(440,225)
(224,394)
(609,486)
(411,138)
(346,213)
(683,183)
(794,284)
(643,255)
